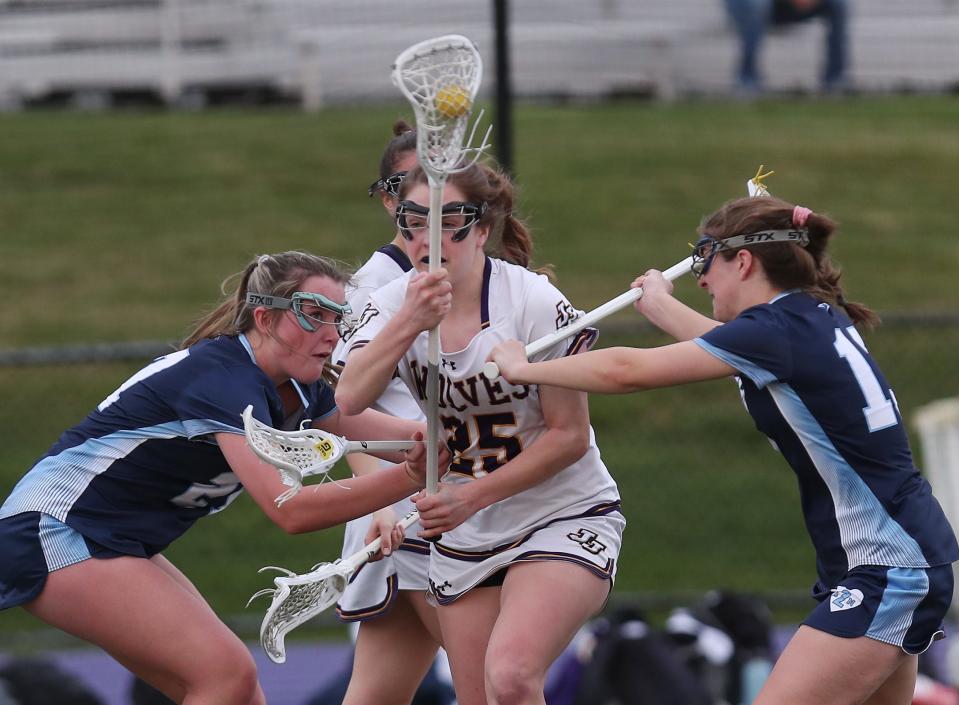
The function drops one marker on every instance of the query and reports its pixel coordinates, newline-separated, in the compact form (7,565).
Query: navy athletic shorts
(900,606)
(32,545)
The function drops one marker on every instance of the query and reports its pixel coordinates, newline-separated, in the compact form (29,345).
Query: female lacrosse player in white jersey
(81,534)
(884,548)
(387,598)
(527,502)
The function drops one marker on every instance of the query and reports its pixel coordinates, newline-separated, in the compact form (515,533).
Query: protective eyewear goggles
(308,309)
(389,185)
(458,218)
(707,247)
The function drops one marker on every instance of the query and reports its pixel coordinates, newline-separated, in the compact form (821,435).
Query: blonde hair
(271,275)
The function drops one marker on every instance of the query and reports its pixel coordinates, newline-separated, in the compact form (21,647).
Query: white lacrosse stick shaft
(491,369)
(433,342)
(369,550)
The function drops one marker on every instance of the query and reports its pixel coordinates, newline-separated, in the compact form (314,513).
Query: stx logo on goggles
(775,236)
(708,246)
(259,300)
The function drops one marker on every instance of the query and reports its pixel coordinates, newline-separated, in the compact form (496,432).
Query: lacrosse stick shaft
(433,351)
(369,550)
(378,446)
(491,370)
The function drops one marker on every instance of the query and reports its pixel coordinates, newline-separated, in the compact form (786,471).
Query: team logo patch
(565,314)
(588,541)
(844,599)
(368,313)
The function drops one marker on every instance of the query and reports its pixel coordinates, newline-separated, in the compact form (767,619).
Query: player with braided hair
(783,327)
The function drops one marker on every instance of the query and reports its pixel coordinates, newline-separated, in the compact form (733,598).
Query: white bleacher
(334,51)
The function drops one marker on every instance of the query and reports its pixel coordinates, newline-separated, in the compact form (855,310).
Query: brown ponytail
(787,264)
(403,141)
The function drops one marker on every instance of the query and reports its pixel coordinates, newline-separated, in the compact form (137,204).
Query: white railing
(331,51)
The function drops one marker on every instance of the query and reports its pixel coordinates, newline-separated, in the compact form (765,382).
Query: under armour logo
(449,363)
(441,588)
(587,539)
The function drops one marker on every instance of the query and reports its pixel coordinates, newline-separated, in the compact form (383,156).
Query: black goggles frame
(707,247)
(343,312)
(389,185)
(472,211)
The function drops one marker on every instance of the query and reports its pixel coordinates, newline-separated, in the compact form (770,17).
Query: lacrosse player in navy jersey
(387,598)
(81,534)
(784,329)
(527,501)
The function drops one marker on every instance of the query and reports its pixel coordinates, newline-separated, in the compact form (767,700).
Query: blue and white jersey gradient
(811,386)
(143,466)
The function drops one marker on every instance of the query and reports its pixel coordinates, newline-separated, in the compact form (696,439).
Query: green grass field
(121,227)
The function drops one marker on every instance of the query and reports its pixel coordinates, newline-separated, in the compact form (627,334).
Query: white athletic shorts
(592,540)
(373,588)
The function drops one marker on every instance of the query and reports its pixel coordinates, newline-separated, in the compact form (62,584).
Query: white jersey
(385,265)
(373,589)
(490,422)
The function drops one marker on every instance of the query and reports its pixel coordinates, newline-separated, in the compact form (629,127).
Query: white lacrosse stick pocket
(295,454)
(299,598)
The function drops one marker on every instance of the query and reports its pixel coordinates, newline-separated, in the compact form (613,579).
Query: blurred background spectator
(753,18)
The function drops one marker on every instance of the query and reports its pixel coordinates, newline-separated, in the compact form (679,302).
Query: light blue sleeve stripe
(759,376)
(203,427)
(869,535)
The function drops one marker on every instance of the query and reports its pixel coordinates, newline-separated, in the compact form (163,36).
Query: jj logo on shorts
(844,599)
(588,541)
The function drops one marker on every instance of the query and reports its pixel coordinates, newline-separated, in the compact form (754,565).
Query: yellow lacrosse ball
(453,101)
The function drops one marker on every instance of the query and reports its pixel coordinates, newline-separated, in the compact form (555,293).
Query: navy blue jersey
(812,388)
(143,466)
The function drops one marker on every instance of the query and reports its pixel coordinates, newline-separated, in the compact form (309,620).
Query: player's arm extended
(325,505)
(372,425)
(613,370)
(668,313)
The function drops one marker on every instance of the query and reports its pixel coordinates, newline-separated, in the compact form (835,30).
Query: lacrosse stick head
(440,77)
(755,186)
(294,454)
(297,599)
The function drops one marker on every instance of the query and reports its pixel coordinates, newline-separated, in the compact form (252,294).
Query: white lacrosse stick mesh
(299,454)
(440,78)
(294,454)
(299,598)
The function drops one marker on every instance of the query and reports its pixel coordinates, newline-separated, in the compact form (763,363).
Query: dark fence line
(149,349)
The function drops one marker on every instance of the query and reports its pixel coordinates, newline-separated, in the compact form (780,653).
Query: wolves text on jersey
(475,390)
